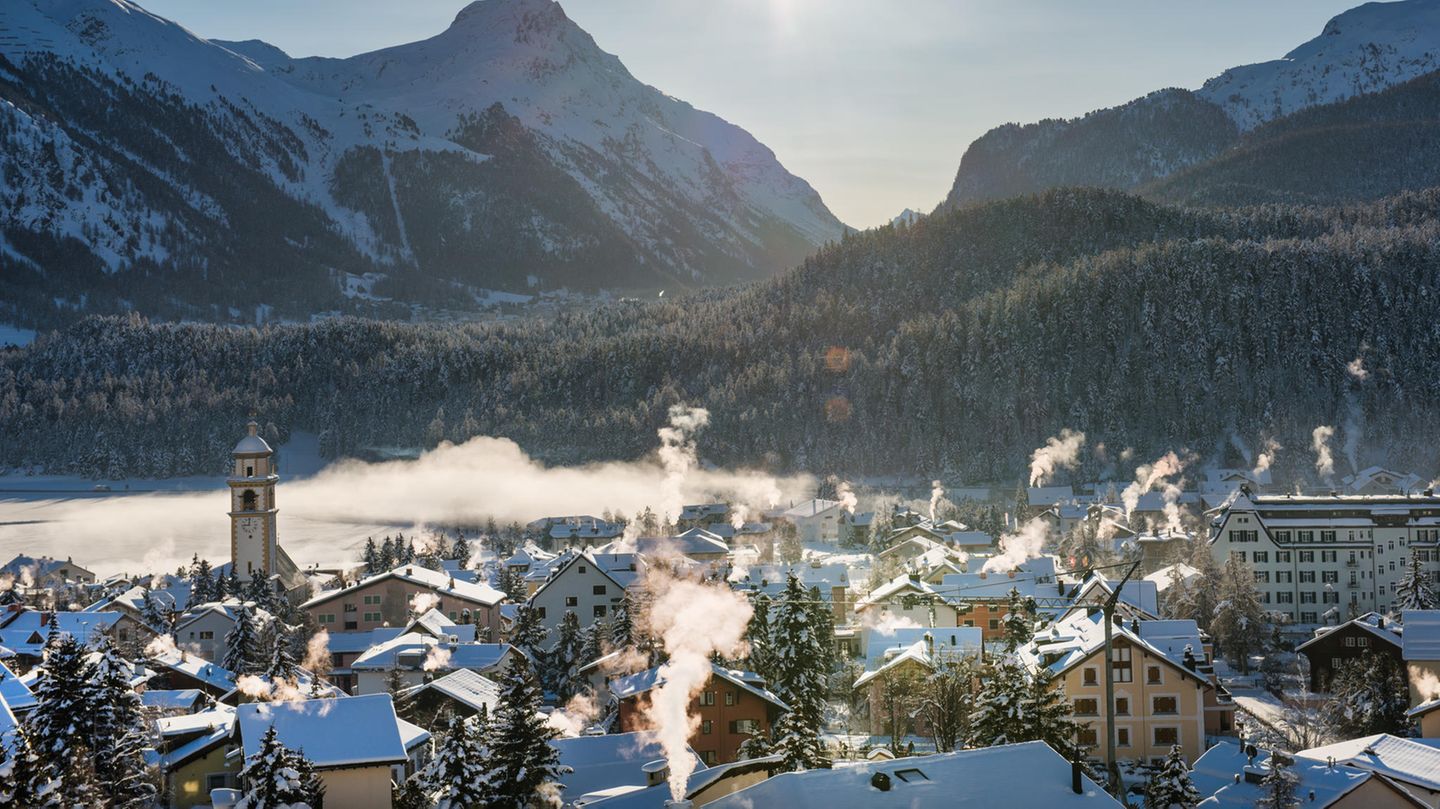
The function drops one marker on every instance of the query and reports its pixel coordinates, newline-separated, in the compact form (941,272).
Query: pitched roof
(884,652)
(810,508)
(1422,634)
(1214,774)
(1076,637)
(1372,623)
(636,684)
(435,580)
(694,542)
(1026,774)
(1402,759)
(463,686)
(214,727)
(608,761)
(410,651)
(14,690)
(343,732)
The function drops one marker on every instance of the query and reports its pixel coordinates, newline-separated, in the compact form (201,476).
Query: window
(1307,577)
(749,726)
(1152,674)
(1167,736)
(706,727)
(1282,537)
(1330,576)
(1330,597)
(994,623)
(583,569)
(1262,556)
(910,775)
(1087,736)
(1307,596)
(1349,641)
(1307,556)
(710,757)
(1262,576)
(540,613)
(1087,706)
(598,590)
(327,618)
(1122,737)
(1327,536)
(1305,536)
(599,611)
(1122,706)
(968,622)
(1329,556)
(1089,676)
(1362,642)
(1307,618)
(572,601)
(730,697)
(204,635)
(1164,705)
(1284,576)
(1283,556)
(372,599)
(1245,536)
(707,697)
(372,616)
(1238,556)
(1284,598)
(1121,659)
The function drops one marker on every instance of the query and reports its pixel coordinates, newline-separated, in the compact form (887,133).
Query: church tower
(253,547)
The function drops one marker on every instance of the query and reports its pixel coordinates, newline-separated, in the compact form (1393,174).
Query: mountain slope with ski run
(507,152)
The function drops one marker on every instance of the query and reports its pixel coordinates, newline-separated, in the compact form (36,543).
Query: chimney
(1076,782)
(1012,574)
(880,781)
(656,772)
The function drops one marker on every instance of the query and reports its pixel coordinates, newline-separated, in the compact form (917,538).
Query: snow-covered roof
(1172,637)
(411,735)
(344,732)
(436,623)
(177,699)
(438,582)
(229,609)
(37,568)
(1026,774)
(28,631)
(1371,622)
(195,667)
(357,642)
(186,724)
(1078,636)
(1214,775)
(967,539)
(1402,759)
(463,686)
(1422,634)
(1162,577)
(213,726)
(914,544)
(608,761)
(14,690)
(961,587)
(635,684)
(694,542)
(1042,496)
(902,583)
(884,652)
(410,651)
(527,555)
(703,510)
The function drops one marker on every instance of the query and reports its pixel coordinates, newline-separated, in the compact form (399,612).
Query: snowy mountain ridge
(507,146)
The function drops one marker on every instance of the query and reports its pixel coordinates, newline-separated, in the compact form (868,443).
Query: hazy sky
(872,101)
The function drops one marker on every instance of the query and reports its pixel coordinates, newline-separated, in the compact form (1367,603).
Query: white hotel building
(1326,559)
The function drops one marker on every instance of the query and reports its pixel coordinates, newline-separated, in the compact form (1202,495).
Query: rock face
(508,152)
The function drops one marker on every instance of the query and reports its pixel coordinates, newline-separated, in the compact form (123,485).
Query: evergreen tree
(1414,591)
(152,613)
(528,634)
(371,557)
(389,556)
(457,777)
(1239,626)
(460,549)
(592,642)
(282,667)
(202,581)
(61,724)
(948,699)
(1019,623)
(241,644)
(1369,694)
(565,659)
(757,634)
(261,591)
(622,625)
(118,734)
(1170,787)
(522,762)
(271,779)
(799,680)
(234,588)
(23,778)
(1278,787)
(1200,598)
(1016,705)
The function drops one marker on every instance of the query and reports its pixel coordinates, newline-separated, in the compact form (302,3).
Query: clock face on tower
(249,528)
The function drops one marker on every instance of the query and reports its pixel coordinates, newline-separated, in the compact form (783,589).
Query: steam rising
(1059,452)
(1019,547)
(846,496)
(1320,441)
(1356,369)
(937,492)
(579,713)
(1147,476)
(328,515)
(694,620)
(423,602)
(437,658)
(317,652)
(1267,457)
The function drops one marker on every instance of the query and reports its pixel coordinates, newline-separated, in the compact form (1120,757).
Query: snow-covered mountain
(1364,50)
(171,173)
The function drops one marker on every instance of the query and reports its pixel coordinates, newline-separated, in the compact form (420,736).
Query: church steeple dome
(252,444)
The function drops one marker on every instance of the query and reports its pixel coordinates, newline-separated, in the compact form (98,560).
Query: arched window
(247,500)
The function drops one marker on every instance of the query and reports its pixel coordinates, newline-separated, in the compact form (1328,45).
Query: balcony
(1352,563)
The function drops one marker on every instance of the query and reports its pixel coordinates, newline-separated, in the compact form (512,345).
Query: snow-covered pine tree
(152,613)
(261,591)
(1278,787)
(60,725)
(271,780)
(757,634)
(513,584)
(1019,626)
(1047,714)
(1369,694)
(999,715)
(592,642)
(460,549)
(282,666)
(457,777)
(202,581)
(23,779)
(234,588)
(241,644)
(528,634)
(371,557)
(947,701)
(1170,786)
(566,657)
(1239,626)
(799,680)
(622,627)
(522,762)
(1414,591)
(118,734)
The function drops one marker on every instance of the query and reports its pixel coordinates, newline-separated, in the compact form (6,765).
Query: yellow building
(1159,701)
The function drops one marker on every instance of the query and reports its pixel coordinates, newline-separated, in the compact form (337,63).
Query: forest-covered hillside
(951,346)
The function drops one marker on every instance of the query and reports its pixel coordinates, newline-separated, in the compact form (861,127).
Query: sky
(872,101)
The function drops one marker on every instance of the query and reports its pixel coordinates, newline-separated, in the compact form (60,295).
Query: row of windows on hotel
(1329,557)
(1363,535)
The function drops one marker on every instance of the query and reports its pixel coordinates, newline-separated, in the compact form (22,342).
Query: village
(1217,644)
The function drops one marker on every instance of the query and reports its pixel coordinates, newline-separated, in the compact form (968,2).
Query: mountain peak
(524,17)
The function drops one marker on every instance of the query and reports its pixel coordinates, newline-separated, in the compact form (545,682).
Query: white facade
(581,587)
(816,520)
(1341,554)
(253,546)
